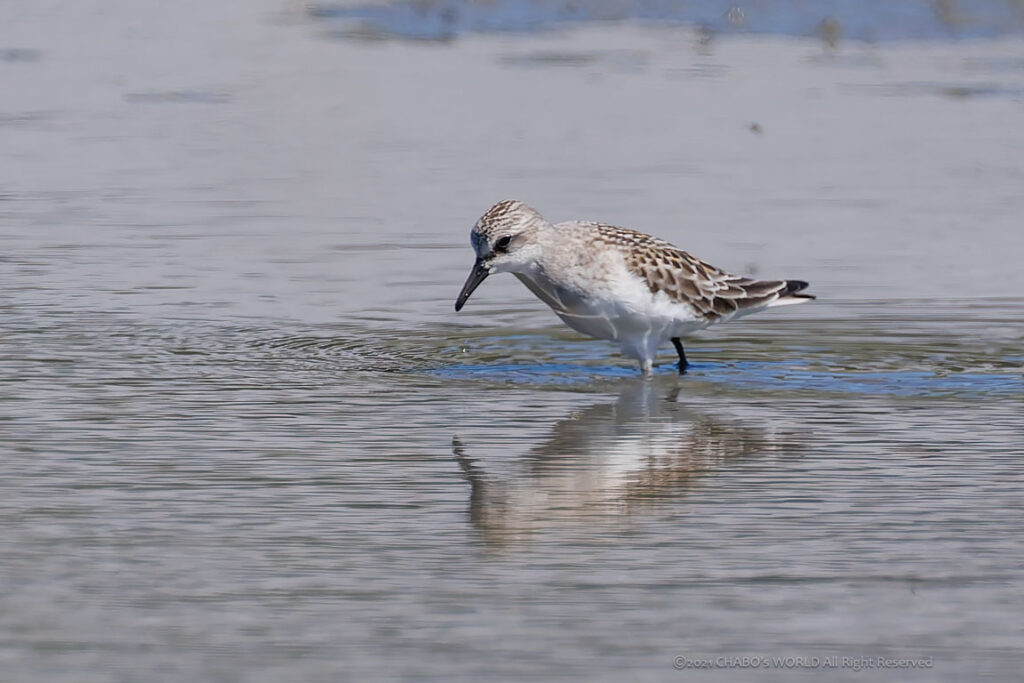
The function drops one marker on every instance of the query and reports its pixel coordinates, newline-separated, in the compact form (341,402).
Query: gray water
(244,436)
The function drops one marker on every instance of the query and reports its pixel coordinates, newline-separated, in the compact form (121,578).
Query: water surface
(244,436)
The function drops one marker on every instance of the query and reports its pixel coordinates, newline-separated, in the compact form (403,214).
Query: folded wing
(712,292)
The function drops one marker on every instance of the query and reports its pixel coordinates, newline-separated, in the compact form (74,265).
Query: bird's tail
(790,294)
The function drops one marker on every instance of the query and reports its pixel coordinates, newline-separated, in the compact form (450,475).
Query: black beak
(476,276)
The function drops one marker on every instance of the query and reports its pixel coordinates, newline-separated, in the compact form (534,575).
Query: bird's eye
(502,244)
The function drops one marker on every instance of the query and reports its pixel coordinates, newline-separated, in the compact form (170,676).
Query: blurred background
(244,436)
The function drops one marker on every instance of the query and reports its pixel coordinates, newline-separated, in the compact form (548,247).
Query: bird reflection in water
(605,463)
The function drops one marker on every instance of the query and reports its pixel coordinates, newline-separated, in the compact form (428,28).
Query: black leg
(683,363)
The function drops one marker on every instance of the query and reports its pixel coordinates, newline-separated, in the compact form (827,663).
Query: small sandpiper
(615,283)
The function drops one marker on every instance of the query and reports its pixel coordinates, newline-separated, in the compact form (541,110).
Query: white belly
(639,321)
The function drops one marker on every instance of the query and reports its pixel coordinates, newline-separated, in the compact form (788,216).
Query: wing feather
(712,293)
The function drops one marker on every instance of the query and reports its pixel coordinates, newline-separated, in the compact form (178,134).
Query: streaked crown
(508,216)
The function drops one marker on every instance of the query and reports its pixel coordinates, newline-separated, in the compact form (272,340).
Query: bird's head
(504,242)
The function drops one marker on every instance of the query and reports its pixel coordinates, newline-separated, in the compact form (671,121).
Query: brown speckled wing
(713,293)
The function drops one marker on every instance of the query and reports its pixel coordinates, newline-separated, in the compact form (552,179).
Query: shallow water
(246,437)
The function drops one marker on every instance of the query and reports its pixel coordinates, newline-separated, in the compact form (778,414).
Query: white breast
(617,307)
